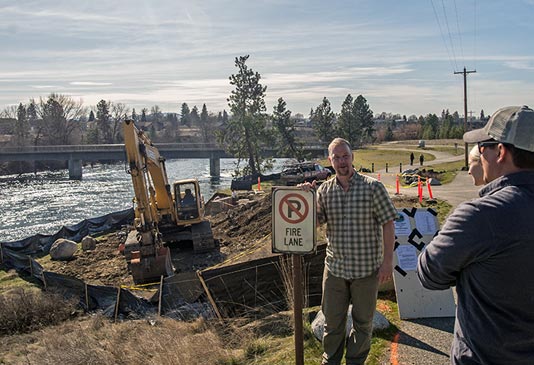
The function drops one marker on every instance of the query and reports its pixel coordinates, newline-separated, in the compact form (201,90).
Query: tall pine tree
(245,134)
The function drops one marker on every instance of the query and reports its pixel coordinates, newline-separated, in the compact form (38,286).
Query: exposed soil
(103,266)
(237,230)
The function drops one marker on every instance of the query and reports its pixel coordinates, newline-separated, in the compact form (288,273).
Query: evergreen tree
(91,116)
(205,125)
(445,128)
(322,120)
(245,134)
(143,115)
(347,126)
(363,116)
(285,127)
(53,120)
(134,115)
(430,126)
(389,134)
(194,118)
(104,122)
(31,112)
(21,126)
(185,118)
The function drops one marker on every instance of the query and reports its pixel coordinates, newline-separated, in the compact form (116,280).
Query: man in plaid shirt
(359,217)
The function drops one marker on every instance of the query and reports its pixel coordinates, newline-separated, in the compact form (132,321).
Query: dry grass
(98,341)
(23,310)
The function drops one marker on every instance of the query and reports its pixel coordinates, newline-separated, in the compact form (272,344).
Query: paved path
(427,341)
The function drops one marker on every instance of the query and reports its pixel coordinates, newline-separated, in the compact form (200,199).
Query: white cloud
(90,83)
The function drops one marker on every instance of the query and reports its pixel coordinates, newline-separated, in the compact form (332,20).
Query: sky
(400,55)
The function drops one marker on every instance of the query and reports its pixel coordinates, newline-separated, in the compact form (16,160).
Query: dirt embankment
(237,229)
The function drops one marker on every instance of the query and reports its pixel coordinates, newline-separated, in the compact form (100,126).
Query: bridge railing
(120,147)
(106,147)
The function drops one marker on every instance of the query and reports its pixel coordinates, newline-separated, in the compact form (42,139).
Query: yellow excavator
(163,215)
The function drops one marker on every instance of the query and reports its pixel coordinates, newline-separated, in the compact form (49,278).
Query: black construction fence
(229,289)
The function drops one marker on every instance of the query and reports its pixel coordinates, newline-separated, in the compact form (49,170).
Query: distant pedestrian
(412,157)
(421,159)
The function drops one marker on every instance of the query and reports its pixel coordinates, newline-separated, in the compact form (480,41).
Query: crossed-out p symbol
(297,208)
(293,206)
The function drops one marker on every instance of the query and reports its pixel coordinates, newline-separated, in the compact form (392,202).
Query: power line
(442,35)
(459,32)
(449,31)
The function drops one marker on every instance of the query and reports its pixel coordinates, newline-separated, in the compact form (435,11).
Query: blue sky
(400,55)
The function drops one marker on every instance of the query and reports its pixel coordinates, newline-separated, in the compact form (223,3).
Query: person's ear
(502,152)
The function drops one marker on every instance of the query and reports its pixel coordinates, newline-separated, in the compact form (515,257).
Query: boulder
(63,249)
(88,243)
(379,322)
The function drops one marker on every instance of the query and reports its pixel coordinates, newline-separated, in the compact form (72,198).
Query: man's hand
(307,186)
(385,272)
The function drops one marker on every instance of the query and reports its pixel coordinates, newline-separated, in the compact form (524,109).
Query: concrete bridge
(77,154)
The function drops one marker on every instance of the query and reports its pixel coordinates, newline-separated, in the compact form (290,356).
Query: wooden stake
(210,298)
(117,304)
(160,294)
(86,297)
(297,310)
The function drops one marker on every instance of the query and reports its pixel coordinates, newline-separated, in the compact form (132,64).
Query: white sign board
(414,229)
(294,220)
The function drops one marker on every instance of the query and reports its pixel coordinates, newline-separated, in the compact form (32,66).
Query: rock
(63,249)
(379,322)
(88,243)
(435,182)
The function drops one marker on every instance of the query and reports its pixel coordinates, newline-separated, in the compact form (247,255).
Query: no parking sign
(294,220)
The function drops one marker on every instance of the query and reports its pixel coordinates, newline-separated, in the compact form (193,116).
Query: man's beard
(344,171)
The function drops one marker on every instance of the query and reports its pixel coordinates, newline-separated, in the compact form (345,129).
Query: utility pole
(465,106)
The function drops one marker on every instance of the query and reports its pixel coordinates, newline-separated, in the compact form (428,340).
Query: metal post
(297,310)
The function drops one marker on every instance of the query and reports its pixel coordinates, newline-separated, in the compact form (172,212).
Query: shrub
(23,311)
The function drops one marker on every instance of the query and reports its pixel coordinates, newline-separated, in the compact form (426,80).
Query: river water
(43,202)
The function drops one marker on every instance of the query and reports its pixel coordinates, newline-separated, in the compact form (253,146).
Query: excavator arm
(145,254)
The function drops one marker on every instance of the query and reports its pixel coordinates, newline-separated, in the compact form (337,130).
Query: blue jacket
(486,250)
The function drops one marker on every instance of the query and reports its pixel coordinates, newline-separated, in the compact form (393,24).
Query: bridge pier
(75,169)
(215,167)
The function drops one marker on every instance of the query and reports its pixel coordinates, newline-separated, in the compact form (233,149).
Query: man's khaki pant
(338,293)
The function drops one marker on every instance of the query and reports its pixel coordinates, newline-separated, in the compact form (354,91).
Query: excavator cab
(188,201)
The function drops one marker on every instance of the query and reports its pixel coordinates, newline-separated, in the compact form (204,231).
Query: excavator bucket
(148,262)
(202,237)
(151,268)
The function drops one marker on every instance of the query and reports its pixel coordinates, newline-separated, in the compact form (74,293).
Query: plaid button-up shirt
(354,225)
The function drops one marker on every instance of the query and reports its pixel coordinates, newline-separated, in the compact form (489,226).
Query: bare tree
(9,112)
(119,112)
(59,114)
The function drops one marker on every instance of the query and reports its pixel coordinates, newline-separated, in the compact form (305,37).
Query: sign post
(294,232)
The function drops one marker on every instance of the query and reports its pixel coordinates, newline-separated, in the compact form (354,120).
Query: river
(43,202)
